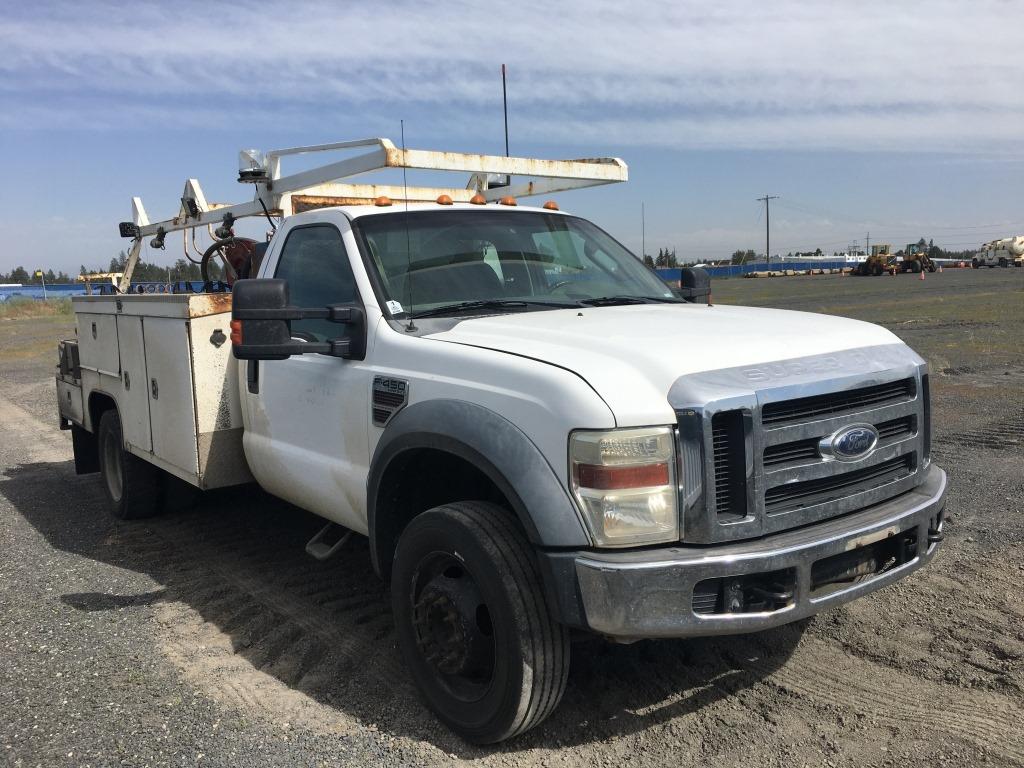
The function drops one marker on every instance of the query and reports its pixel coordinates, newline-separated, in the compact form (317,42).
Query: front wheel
(473,623)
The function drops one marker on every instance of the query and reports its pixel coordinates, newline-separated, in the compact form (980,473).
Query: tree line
(145,272)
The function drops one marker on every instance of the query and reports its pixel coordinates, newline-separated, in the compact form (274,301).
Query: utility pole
(767,230)
(867,244)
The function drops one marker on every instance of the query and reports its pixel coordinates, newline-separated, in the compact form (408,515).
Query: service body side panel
(218,410)
(169,387)
(97,342)
(133,394)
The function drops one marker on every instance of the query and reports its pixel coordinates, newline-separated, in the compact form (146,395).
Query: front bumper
(650,593)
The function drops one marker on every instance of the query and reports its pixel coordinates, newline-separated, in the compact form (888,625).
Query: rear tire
(915,267)
(877,270)
(133,486)
(473,622)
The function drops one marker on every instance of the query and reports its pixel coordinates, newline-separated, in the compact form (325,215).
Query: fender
(499,449)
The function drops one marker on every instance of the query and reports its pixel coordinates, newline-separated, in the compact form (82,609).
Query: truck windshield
(501,261)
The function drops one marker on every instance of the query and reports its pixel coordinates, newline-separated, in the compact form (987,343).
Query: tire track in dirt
(821,671)
(247,619)
(278,636)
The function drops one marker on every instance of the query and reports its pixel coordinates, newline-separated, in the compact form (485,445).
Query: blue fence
(63,290)
(739,270)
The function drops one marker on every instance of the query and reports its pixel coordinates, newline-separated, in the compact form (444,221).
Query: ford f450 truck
(536,434)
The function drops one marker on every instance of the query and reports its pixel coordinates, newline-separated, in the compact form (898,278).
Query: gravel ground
(209,637)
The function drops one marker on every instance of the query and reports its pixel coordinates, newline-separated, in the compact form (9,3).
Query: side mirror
(261,324)
(694,285)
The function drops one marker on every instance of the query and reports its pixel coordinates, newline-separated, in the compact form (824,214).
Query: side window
(315,264)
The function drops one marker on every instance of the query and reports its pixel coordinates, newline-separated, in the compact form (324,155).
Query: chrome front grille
(765,471)
(837,403)
(782,498)
(728,449)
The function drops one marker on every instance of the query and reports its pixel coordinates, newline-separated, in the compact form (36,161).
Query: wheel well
(99,402)
(419,479)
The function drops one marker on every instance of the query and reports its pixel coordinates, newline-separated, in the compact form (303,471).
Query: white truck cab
(534,431)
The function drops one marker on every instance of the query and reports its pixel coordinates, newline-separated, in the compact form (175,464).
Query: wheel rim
(452,627)
(113,471)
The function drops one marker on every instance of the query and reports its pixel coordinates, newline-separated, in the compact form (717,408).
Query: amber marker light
(478,199)
(551,205)
(444,200)
(236,331)
(508,200)
(382,202)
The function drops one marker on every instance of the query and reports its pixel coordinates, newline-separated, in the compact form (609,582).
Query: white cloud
(855,75)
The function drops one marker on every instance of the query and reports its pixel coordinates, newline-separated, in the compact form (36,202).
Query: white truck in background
(534,432)
(1006,252)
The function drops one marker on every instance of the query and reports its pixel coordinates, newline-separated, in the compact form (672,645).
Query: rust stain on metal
(204,304)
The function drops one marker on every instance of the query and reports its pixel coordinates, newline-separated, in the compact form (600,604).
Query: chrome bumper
(649,593)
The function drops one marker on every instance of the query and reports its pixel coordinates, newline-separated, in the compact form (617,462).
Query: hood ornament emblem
(850,443)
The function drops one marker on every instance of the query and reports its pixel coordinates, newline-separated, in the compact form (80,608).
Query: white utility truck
(1007,252)
(536,434)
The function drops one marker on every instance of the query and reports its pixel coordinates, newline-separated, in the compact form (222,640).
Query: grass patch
(20,307)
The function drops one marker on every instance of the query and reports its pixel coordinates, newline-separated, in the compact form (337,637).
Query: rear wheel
(473,623)
(132,485)
(975,264)
(915,267)
(877,270)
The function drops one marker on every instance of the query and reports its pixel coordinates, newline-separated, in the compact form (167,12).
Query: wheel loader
(878,262)
(915,260)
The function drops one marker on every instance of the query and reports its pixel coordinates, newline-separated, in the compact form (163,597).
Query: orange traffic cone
(922,274)
(940,269)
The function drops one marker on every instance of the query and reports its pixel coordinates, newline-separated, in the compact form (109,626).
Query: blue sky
(902,119)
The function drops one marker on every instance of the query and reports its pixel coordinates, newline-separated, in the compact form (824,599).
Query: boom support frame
(323,185)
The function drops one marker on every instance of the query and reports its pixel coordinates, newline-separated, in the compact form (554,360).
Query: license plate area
(863,564)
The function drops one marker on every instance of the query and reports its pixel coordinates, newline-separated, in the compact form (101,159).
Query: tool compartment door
(133,397)
(171,397)
(97,343)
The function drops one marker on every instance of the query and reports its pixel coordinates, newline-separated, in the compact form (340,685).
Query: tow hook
(934,536)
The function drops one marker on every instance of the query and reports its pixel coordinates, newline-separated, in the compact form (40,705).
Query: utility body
(1006,252)
(536,434)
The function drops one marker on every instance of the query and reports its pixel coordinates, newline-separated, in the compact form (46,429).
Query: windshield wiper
(611,301)
(469,306)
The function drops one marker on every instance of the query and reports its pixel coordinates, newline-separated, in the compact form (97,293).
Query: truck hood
(631,355)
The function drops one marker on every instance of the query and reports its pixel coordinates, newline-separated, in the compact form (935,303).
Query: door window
(317,269)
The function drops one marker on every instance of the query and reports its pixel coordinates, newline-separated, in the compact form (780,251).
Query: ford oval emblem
(851,443)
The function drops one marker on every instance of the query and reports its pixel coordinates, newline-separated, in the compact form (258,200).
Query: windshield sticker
(395,308)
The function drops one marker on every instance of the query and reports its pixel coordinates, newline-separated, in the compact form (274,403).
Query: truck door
(306,438)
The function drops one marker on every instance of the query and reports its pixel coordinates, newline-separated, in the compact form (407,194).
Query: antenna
(504,99)
(408,247)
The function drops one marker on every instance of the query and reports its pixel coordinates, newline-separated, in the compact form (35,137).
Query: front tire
(473,622)
(132,485)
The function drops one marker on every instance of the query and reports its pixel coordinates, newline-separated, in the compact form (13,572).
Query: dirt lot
(210,637)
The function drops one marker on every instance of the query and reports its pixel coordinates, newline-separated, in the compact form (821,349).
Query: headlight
(625,481)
